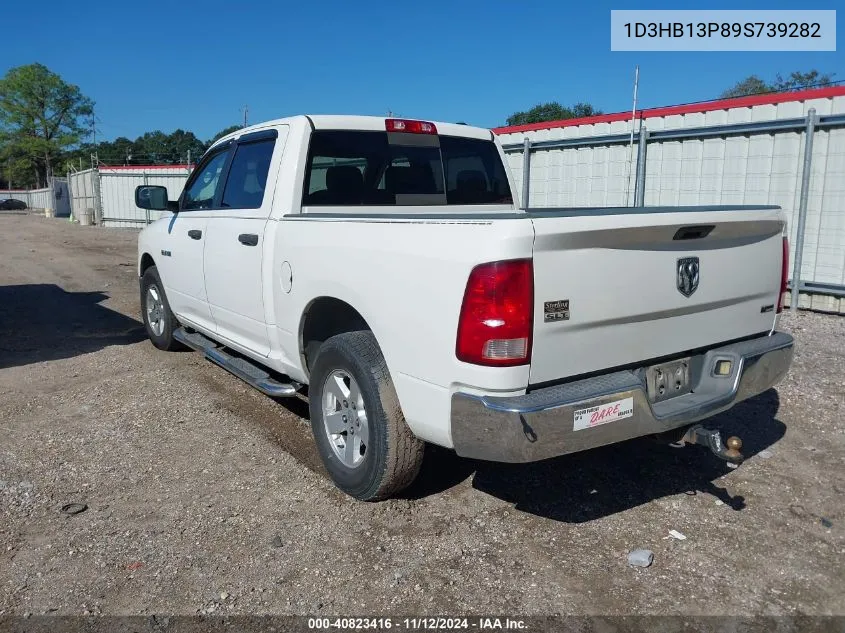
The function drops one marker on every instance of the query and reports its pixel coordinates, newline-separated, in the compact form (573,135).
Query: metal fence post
(526,171)
(96,193)
(70,197)
(146,211)
(52,185)
(802,209)
(639,184)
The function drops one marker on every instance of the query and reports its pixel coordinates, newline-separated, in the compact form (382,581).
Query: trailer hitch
(713,440)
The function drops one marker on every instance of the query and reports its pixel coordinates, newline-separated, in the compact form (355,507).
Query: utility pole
(246,112)
(93,128)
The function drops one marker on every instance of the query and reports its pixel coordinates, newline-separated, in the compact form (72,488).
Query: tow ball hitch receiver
(730,451)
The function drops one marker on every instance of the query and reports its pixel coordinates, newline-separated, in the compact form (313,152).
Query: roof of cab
(356,122)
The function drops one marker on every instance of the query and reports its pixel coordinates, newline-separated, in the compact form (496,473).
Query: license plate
(668,380)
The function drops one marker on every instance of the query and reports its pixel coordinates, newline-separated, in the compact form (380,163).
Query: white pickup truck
(384,268)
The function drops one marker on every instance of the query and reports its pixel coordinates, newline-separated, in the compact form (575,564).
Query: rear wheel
(159,320)
(358,425)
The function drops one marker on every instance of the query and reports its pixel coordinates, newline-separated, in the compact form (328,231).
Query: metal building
(748,150)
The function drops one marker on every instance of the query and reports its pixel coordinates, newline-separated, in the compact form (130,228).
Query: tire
(160,330)
(392,455)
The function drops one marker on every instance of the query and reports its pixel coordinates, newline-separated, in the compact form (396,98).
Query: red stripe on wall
(721,104)
(143,167)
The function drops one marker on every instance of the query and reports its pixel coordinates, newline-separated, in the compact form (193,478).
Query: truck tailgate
(608,291)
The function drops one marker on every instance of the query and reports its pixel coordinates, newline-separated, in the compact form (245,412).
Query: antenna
(631,147)
(245,110)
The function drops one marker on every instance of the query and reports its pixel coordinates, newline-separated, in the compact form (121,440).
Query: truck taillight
(496,315)
(410,126)
(784,274)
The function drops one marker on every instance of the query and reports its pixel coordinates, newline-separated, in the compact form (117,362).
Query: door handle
(248,239)
(195,234)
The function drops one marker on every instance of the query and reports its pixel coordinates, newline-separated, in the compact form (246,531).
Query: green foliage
(552,111)
(797,80)
(41,117)
(152,148)
(751,85)
(800,81)
(44,122)
(224,132)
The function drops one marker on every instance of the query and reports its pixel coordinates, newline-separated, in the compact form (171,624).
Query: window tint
(414,175)
(201,190)
(473,172)
(321,165)
(376,168)
(248,175)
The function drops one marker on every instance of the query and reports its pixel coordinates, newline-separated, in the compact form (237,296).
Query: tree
(224,132)
(801,81)
(184,144)
(552,111)
(18,171)
(753,85)
(116,152)
(41,116)
(154,147)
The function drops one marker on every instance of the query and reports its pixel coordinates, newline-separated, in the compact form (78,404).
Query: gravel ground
(205,496)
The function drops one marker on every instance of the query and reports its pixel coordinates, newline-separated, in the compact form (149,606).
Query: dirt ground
(205,496)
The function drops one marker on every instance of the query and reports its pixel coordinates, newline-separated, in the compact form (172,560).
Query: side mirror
(153,197)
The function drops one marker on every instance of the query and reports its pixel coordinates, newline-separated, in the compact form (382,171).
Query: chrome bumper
(541,424)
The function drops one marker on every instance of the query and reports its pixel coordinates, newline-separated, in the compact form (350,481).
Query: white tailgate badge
(602,414)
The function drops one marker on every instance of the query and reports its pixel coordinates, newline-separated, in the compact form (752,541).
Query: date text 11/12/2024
(418,624)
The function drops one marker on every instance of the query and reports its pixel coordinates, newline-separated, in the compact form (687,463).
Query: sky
(193,65)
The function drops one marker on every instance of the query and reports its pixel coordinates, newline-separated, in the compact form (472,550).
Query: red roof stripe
(142,167)
(721,104)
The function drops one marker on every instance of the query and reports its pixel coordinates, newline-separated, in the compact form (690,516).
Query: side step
(240,367)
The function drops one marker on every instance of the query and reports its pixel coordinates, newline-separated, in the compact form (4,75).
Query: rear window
(350,168)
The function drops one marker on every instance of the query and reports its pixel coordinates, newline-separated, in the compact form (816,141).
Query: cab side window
(201,191)
(247,178)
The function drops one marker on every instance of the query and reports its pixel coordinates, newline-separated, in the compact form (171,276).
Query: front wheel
(358,425)
(159,319)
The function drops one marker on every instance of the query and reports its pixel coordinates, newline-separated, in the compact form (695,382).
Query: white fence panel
(34,198)
(15,194)
(117,191)
(754,167)
(40,199)
(83,192)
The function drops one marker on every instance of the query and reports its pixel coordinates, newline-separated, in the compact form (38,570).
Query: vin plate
(604,413)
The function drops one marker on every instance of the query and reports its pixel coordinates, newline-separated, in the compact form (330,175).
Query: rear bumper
(541,424)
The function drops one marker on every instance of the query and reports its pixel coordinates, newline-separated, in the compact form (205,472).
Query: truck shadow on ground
(592,484)
(42,322)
